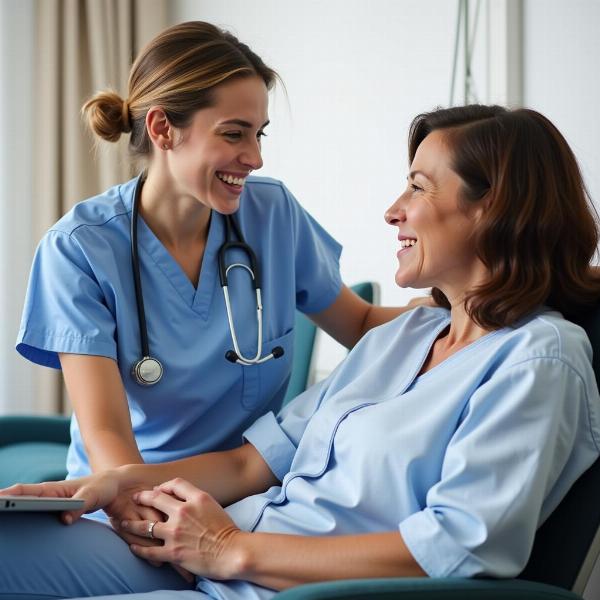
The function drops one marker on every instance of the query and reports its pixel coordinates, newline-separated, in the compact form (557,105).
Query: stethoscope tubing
(135,264)
(149,370)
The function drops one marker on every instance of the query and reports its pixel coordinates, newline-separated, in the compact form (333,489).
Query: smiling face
(212,157)
(435,232)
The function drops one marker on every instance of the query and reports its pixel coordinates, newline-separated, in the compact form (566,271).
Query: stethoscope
(149,370)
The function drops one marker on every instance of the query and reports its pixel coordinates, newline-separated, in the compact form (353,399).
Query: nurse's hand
(97,491)
(198,535)
(125,508)
(421,301)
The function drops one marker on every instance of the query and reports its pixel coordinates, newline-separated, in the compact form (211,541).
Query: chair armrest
(427,589)
(25,428)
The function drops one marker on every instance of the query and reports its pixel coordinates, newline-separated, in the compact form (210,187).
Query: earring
(165,146)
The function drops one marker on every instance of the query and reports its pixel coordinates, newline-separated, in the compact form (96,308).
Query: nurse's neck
(179,221)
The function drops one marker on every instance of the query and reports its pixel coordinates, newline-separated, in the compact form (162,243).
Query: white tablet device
(37,504)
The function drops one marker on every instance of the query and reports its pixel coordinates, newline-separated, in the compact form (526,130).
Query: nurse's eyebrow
(243,123)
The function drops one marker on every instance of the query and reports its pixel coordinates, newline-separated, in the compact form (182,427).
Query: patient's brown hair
(539,229)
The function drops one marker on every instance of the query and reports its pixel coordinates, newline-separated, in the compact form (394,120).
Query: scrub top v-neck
(81,300)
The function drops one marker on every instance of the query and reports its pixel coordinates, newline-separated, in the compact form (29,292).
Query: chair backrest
(567,545)
(304,342)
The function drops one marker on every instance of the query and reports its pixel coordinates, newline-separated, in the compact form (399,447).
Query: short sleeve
(317,255)
(524,439)
(64,307)
(277,437)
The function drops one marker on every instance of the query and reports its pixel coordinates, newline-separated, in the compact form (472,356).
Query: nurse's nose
(251,155)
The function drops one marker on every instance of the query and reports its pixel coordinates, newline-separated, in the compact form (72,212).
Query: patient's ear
(479,208)
(159,129)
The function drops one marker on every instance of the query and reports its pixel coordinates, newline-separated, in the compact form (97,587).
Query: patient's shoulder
(547,334)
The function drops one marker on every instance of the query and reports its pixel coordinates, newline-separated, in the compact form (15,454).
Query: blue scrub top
(466,460)
(81,300)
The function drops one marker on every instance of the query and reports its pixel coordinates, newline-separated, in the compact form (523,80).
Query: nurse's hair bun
(177,71)
(107,115)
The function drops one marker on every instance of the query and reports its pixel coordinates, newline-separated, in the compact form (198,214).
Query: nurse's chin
(226,207)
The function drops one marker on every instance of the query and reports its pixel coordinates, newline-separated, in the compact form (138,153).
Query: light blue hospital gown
(81,300)
(465,461)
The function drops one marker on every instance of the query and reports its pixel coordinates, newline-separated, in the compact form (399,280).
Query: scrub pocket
(264,382)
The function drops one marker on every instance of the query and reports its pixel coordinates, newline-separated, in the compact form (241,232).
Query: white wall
(561,74)
(16,75)
(356,73)
(354,82)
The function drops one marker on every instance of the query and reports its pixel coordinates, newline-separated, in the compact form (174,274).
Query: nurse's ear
(159,129)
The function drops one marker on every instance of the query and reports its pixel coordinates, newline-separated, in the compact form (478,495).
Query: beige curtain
(82,46)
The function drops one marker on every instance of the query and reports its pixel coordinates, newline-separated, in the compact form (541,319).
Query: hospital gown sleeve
(317,254)
(277,437)
(65,310)
(512,448)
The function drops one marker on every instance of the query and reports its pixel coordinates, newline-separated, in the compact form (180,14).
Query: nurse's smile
(233,182)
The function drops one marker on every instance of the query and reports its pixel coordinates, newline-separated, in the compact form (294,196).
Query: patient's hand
(197,535)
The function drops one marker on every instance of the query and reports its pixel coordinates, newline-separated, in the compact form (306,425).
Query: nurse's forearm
(378,315)
(350,317)
(110,449)
(227,476)
(281,561)
(98,397)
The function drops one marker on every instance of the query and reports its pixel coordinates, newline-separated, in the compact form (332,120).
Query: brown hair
(178,70)
(539,231)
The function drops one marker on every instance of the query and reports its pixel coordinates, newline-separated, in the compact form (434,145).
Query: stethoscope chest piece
(147,371)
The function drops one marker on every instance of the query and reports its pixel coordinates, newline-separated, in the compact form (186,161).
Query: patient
(437,448)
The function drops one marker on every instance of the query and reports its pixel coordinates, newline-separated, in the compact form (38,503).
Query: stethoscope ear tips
(231,356)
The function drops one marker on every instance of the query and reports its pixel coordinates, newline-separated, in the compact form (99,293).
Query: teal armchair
(305,334)
(33,448)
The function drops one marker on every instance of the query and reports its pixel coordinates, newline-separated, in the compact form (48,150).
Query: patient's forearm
(281,561)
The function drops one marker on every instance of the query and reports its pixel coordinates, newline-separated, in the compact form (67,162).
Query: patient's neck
(461,332)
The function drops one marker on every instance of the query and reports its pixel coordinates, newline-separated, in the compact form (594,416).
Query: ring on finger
(150,530)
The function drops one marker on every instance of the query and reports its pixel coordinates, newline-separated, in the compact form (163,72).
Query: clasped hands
(192,532)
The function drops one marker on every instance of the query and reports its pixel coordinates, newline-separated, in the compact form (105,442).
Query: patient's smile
(407,242)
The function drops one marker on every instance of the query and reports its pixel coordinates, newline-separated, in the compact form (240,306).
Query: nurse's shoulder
(264,196)
(92,230)
(99,210)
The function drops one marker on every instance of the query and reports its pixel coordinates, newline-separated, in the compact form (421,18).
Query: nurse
(196,112)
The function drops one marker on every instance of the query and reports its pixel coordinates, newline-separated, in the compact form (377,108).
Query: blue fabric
(42,558)
(81,300)
(465,461)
